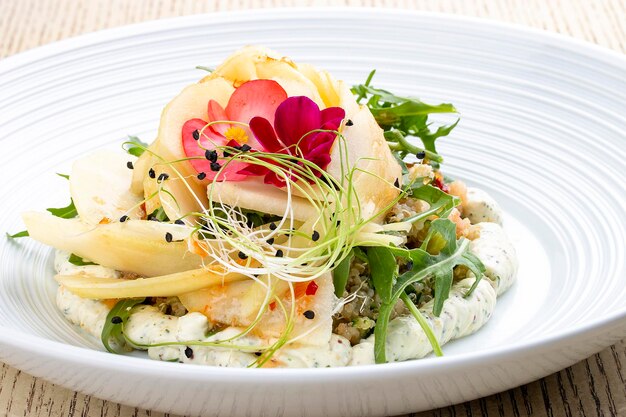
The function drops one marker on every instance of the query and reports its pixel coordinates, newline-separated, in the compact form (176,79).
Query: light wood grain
(594,387)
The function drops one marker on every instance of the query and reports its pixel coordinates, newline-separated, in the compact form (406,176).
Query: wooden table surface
(593,387)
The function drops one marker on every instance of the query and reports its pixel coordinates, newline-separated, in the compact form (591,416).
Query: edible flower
(260,117)
(229,127)
(301,129)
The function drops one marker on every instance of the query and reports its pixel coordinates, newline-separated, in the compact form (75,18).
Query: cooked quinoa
(357,318)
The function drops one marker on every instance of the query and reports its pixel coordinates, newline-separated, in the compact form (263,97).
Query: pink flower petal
(216,112)
(255,98)
(265,135)
(295,118)
(333,115)
(320,155)
(314,140)
(207,140)
(273,179)
(254,170)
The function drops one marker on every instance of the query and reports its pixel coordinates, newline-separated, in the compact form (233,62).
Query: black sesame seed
(338,223)
(315,236)
(227,154)
(116,320)
(270,241)
(196,134)
(179,221)
(258,353)
(162,177)
(272,226)
(168,237)
(245,147)
(397,183)
(129,165)
(242,255)
(349,122)
(211,155)
(151,173)
(421,155)
(215,166)
(202,176)
(279,253)
(188,350)
(123,218)
(309,314)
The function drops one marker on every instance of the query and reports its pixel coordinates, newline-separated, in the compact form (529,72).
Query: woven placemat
(594,387)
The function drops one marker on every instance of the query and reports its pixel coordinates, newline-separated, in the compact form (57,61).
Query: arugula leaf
(428,138)
(452,252)
(65,212)
(440,203)
(341,274)
(134,146)
(203,68)
(78,261)
(400,145)
(359,254)
(158,215)
(112,333)
(419,257)
(423,324)
(383,270)
(404,113)
(23,233)
(405,116)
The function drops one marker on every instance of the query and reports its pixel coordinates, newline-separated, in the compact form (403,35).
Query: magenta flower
(301,129)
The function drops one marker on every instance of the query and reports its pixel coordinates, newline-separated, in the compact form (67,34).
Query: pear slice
(253,194)
(375,168)
(100,187)
(238,304)
(137,246)
(182,193)
(87,286)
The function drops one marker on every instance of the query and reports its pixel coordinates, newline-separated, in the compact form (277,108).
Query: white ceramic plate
(543,130)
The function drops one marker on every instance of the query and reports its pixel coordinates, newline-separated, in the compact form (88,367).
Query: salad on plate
(281,218)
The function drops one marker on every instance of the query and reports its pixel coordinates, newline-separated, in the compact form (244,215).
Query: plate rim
(81,355)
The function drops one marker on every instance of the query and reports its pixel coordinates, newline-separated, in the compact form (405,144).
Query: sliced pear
(137,246)
(140,171)
(238,304)
(182,193)
(254,62)
(324,82)
(87,286)
(100,187)
(368,153)
(253,194)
